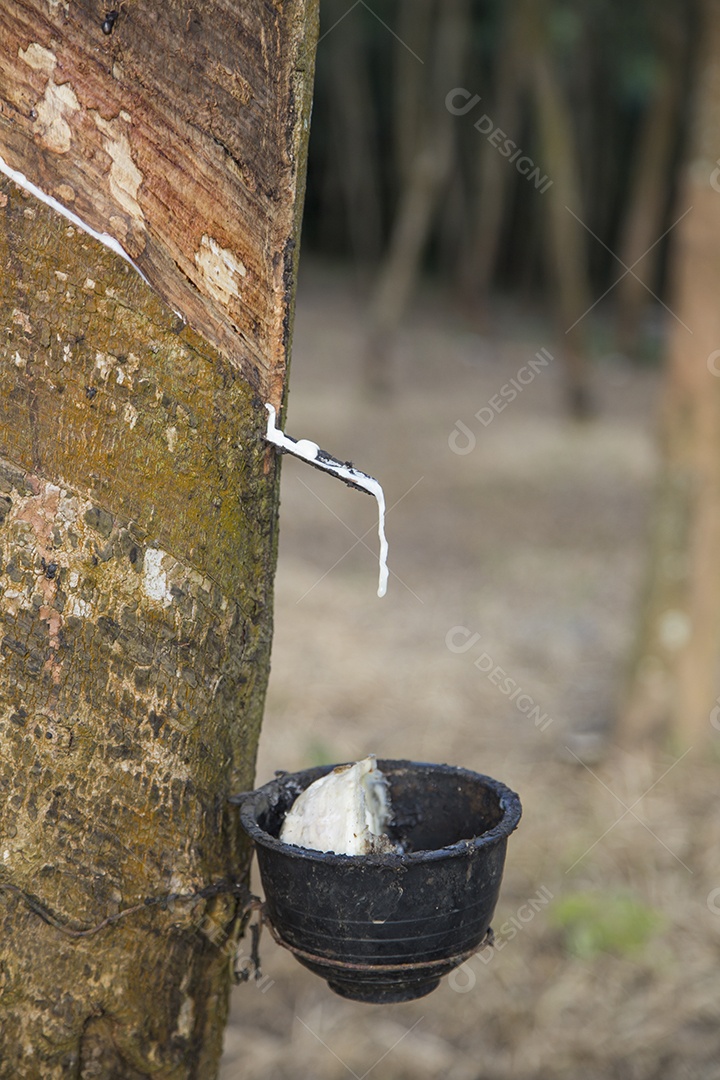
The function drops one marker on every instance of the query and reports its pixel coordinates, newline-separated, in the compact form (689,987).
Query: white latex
(310,451)
(346,812)
(104,238)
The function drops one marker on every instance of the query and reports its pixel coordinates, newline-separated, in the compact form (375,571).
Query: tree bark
(675,675)
(138,509)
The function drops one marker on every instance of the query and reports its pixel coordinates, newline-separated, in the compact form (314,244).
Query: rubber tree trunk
(138,508)
(676,670)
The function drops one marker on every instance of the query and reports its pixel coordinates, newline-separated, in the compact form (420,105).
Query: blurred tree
(596,92)
(647,200)
(415,22)
(567,261)
(432,160)
(355,139)
(491,181)
(675,675)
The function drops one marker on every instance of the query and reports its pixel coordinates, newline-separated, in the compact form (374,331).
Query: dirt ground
(533,540)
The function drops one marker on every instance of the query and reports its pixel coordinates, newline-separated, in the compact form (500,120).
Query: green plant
(595,922)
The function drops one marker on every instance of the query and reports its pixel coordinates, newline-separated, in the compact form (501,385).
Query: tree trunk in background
(479,251)
(566,236)
(418,201)
(452,222)
(138,509)
(356,142)
(415,20)
(648,196)
(675,675)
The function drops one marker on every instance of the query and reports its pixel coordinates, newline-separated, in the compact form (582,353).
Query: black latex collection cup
(386,928)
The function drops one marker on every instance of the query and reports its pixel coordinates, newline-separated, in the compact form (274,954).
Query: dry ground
(535,542)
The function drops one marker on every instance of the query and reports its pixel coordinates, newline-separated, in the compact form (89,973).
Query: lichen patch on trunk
(57,103)
(221,270)
(125,177)
(54,111)
(155,582)
(39,58)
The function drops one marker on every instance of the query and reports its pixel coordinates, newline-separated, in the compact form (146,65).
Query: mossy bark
(138,510)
